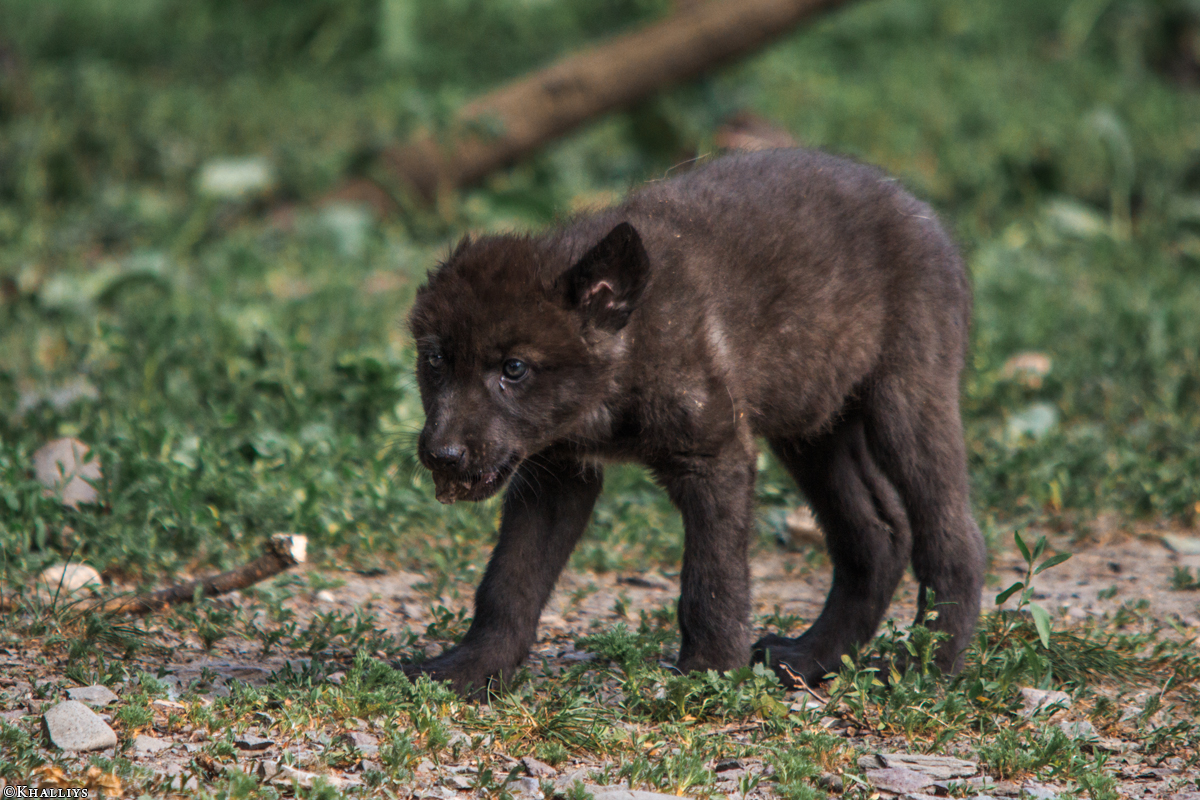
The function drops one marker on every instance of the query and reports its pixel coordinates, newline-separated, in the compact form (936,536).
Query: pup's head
(516,351)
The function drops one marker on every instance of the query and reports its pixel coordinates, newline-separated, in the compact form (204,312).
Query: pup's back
(797,274)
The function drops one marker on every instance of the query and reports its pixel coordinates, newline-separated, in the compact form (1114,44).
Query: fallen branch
(283,551)
(515,119)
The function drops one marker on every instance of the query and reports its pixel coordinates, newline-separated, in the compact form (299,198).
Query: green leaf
(1009,592)
(1041,619)
(1053,561)
(1038,549)
(1022,547)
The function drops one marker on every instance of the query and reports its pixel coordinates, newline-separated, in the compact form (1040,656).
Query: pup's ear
(606,284)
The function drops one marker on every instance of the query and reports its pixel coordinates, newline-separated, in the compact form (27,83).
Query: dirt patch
(172,756)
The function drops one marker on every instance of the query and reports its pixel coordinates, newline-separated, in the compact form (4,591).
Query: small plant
(136,713)
(1041,617)
(1182,580)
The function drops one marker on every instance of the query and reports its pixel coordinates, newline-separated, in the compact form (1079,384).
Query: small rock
(1034,421)
(537,769)
(62,466)
(1038,791)
(236,178)
(336,678)
(364,743)
(367,765)
(727,764)
(526,789)
(148,745)
(456,782)
(620,793)
(248,741)
(325,596)
(71,725)
(94,696)
(898,780)
(937,768)
(67,579)
(1037,700)
(831,783)
(1081,729)
(268,770)
(1027,368)
(564,783)
(305,780)
(425,767)
(1183,545)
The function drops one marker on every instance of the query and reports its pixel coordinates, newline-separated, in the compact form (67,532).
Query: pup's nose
(448,456)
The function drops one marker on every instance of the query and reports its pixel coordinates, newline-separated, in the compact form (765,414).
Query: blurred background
(204,268)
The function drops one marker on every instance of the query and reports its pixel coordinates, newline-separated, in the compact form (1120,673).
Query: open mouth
(452,487)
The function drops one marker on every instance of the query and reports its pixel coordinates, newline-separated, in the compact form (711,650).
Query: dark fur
(788,295)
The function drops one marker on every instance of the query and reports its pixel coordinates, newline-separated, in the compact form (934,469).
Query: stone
(1080,729)
(252,743)
(537,769)
(71,725)
(236,178)
(1027,368)
(1038,791)
(325,596)
(1033,421)
(1037,700)
(147,745)
(304,779)
(564,783)
(94,696)
(68,579)
(831,783)
(727,764)
(898,780)
(363,743)
(937,768)
(62,466)
(526,789)
(1181,544)
(621,793)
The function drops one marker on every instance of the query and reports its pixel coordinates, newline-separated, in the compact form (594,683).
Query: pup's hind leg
(918,442)
(869,541)
(546,508)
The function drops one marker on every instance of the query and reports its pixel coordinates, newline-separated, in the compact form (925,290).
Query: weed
(1041,617)
(1182,580)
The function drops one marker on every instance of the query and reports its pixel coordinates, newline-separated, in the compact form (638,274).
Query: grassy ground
(241,367)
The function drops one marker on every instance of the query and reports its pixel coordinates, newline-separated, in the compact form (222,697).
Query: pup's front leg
(546,509)
(715,495)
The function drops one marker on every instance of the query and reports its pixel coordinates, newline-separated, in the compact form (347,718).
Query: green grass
(249,367)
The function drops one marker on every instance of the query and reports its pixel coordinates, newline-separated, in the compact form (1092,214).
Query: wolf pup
(786,294)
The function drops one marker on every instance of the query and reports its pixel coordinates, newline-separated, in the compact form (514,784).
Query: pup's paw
(794,660)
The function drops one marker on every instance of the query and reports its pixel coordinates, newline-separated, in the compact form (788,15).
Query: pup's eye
(514,369)
(435,360)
